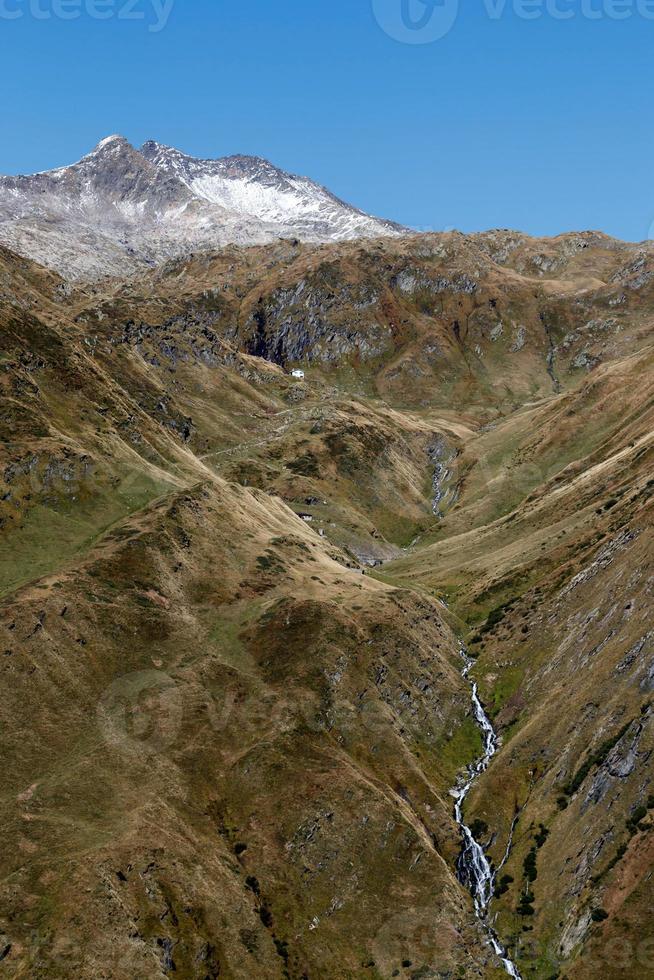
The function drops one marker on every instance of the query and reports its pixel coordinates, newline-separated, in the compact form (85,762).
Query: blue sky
(543,124)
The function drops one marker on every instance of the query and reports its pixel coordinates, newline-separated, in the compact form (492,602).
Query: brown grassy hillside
(228,743)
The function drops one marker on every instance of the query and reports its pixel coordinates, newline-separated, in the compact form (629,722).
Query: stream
(473,867)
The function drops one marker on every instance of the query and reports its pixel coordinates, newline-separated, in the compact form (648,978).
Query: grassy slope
(296,753)
(246,719)
(233,761)
(555,595)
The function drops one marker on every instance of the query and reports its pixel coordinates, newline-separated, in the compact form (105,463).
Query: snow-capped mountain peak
(119,208)
(108,140)
(251,185)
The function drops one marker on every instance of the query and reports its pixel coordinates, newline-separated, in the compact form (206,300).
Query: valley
(232,607)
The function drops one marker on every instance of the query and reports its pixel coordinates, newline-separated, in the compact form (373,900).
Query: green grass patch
(225,636)
(506,686)
(50,537)
(464,747)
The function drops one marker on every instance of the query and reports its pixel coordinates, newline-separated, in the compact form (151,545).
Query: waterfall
(473,866)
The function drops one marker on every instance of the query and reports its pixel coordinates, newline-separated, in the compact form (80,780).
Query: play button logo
(416,21)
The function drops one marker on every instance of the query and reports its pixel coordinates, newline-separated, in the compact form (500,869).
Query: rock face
(120,209)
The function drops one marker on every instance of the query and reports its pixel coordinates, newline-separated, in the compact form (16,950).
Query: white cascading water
(474,867)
